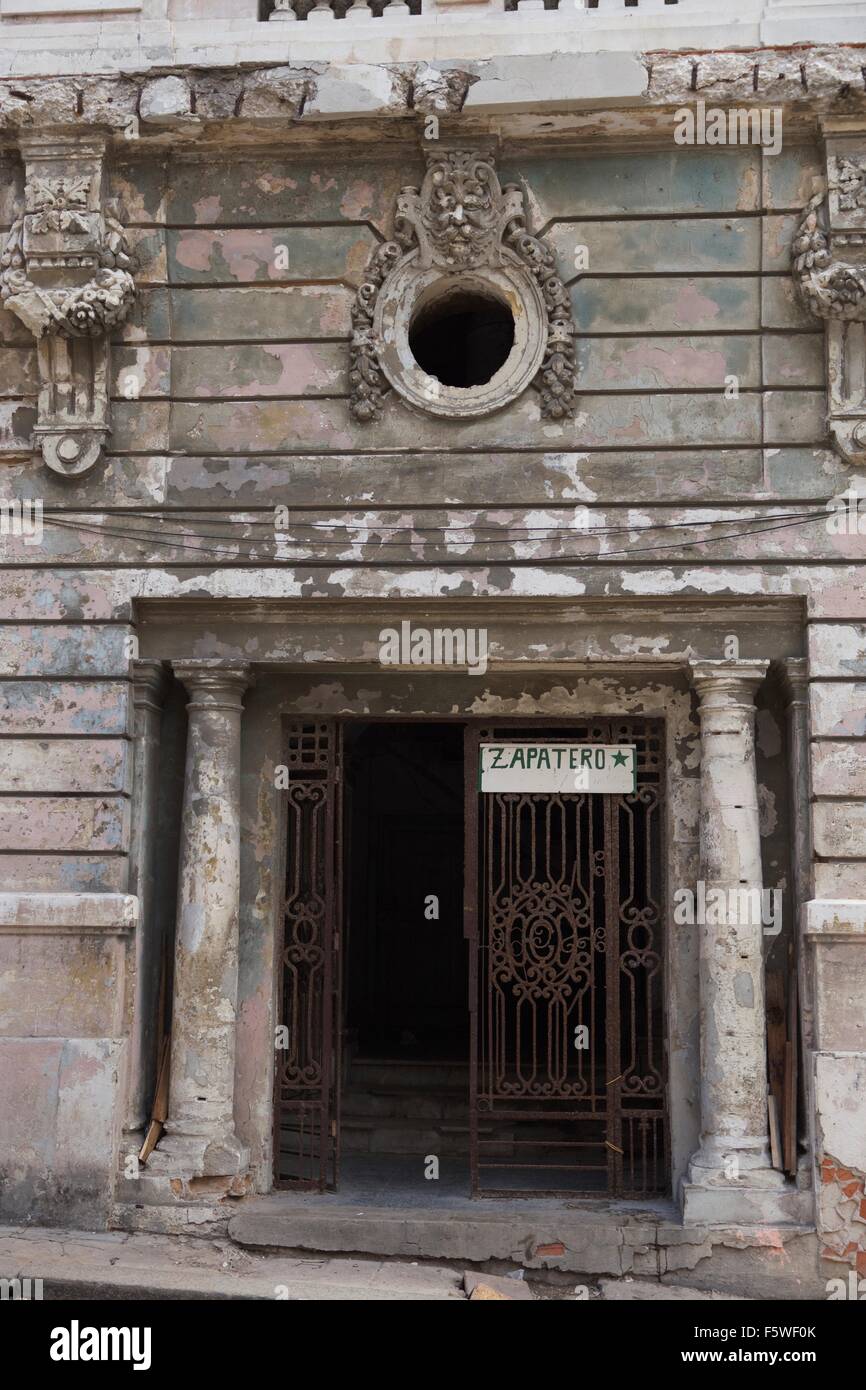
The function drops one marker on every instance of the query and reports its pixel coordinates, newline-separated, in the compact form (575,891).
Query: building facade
(378,384)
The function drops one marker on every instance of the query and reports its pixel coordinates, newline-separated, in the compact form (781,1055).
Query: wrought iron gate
(563,914)
(307,1079)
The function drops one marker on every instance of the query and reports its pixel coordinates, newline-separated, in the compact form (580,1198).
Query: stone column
(734,1154)
(200,1137)
(148,691)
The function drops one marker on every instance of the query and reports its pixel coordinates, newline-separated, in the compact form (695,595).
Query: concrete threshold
(590,1239)
(595,1238)
(116,1266)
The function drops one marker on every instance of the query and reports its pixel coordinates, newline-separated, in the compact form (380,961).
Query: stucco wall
(230,396)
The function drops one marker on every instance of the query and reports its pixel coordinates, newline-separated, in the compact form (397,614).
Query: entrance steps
(406,1107)
(412,1219)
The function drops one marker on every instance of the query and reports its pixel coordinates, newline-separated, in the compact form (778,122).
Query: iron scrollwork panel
(307,1062)
(568,1091)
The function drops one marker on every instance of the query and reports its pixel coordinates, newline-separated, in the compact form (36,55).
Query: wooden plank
(777,1036)
(792,1053)
(775,1134)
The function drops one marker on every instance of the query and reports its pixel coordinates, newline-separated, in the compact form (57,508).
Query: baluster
(359,11)
(321,10)
(282,11)
(395,9)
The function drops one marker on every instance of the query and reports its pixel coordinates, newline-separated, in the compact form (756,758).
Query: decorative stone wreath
(461,234)
(830,288)
(77,311)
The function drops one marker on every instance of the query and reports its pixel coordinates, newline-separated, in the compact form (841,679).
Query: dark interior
(406,975)
(462,339)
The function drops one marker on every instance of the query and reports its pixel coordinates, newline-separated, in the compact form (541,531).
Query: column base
(736,1183)
(722,1162)
(738,1204)
(199,1156)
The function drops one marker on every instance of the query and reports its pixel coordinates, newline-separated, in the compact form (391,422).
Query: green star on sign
(619,759)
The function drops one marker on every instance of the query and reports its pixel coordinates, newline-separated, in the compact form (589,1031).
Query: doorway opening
(405,1093)
(470,984)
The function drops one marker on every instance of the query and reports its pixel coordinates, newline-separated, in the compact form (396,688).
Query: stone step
(368,1074)
(377,1135)
(394,1102)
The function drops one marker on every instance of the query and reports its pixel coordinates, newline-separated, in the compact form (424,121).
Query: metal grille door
(307,1055)
(563,914)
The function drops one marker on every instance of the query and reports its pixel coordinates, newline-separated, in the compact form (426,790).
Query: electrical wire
(445,531)
(152,538)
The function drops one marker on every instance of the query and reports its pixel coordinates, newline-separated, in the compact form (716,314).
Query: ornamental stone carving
(66,273)
(829,265)
(462,239)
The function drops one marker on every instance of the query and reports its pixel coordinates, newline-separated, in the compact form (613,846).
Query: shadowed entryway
(471,980)
(406,1038)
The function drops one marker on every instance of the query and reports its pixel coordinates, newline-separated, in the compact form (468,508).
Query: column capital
(214,684)
(148,683)
(723,682)
(793,673)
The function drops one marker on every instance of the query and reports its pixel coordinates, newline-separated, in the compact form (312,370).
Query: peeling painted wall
(230,397)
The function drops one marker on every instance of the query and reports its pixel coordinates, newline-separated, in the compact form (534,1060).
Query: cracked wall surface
(253,198)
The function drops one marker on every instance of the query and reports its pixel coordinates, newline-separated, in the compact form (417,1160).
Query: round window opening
(463,338)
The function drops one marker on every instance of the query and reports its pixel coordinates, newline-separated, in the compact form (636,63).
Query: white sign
(558,767)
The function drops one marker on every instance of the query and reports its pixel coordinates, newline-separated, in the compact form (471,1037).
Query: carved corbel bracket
(829,264)
(66,273)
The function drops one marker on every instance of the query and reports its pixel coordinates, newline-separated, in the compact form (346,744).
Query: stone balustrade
(630,25)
